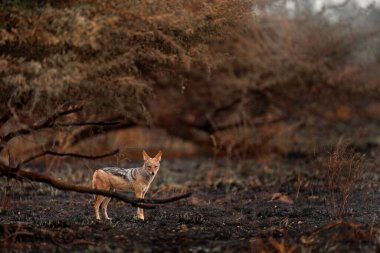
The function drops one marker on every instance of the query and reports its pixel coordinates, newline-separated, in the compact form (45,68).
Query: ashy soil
(236,206)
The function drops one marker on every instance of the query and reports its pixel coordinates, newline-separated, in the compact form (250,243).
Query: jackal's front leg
(140,211)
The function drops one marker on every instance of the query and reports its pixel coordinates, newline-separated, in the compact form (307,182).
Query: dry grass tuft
(344,167)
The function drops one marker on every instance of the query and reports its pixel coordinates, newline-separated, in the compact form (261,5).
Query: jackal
(132,179)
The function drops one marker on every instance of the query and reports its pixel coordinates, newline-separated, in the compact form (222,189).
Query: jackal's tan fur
(133,179)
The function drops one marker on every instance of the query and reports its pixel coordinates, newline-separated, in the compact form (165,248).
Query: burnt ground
(240,206)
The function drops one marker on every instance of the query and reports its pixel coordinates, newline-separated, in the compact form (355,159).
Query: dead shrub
(343,170)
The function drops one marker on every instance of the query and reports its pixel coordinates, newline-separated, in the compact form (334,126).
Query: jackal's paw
(136,218)
(108,218)
(98,221)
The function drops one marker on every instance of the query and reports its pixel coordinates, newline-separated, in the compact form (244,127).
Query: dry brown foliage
(195,68)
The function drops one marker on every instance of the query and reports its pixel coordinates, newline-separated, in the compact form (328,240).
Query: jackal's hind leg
(104,208)
(99,199)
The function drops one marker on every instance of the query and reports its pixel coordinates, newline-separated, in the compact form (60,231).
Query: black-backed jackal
(133,179)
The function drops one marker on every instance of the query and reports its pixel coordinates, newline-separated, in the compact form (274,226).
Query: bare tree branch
(49,121)
(61,185)
(99,123)
(49,152)
(91,131)
(44,123)
(6,116)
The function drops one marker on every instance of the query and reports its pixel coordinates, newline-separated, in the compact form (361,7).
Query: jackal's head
(152,164)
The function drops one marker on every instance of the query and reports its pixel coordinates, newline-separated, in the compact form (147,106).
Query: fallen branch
(61,185)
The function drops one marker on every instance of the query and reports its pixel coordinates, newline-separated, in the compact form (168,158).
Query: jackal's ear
(158,156)
(145,155)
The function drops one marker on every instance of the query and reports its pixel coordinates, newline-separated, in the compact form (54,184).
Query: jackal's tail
(93,183)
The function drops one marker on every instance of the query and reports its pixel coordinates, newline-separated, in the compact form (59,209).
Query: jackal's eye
(156,167)
(149,166)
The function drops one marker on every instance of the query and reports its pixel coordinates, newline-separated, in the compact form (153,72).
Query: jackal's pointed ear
(145,155)
(158,156)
